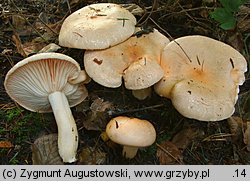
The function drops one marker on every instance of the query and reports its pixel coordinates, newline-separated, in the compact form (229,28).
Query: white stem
(142,94)
(67,130)
(129,151)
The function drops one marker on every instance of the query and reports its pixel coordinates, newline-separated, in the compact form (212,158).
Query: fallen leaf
(134,9)
(244,25)
(208,1)
(184,137)
(6,144)
(18,22)
(97,117)
(236,125)
(32,47)
(247,136)
(92,156)
(104,136)
(19,45)
(235,39)
(72,2)
(99,105)
(45,151)
(168,153)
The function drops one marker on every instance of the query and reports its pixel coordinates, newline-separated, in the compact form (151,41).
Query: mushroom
(97,26)
(132,133)
(136,60)
(202,77)
(48,82)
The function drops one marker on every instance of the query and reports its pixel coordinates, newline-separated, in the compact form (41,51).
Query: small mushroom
(132,133)
(136,60)
(201,77)
(97,26)
(48,82)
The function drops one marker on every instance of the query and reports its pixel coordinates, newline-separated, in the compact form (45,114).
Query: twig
(217,137)
(28,22)
(171,38)
(111,113)
(47,26)
(150,13)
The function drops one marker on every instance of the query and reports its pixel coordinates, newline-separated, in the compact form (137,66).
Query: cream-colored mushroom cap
(131,131)
(31,80)
(202,77)
(136,60)
(97,26)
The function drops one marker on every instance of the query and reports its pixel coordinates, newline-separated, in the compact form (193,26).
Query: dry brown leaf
(99,105)
(134,9)
(92,156)
(72,2)
(95,121)
(184,137)
(247,136)
(32,47)
(168,153)
(244,25)
(18,22)
(6,144)
(45,151)
(235,39)
(236,125)
(96,118)
(19,45)
(104,136)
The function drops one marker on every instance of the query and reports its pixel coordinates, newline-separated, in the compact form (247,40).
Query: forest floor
(27,26)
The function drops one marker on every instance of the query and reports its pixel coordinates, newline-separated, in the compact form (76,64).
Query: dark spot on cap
(116,125)
(99,62)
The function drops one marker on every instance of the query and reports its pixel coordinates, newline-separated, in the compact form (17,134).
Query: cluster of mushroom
(115,48)
(200,75)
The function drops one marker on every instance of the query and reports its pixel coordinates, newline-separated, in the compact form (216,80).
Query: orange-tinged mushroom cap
(136,60)
(202,77)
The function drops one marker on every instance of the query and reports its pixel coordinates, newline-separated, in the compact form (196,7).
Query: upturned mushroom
(201,77)
(48,82)
(136,60)
(97,26)
(132,133)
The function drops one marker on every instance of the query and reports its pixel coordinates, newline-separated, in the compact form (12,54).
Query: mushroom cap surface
(202,77)
(31,80)
(131,131)
(97,26)
(136,60)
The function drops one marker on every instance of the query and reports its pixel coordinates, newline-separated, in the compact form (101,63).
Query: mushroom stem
(67,130)
(142,94)
(129,151)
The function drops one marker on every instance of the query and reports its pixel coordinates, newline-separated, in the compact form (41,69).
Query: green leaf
(225,18)
(230,24)
(221,15)
(231,5)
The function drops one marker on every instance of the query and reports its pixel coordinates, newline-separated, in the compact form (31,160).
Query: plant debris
(45,151)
